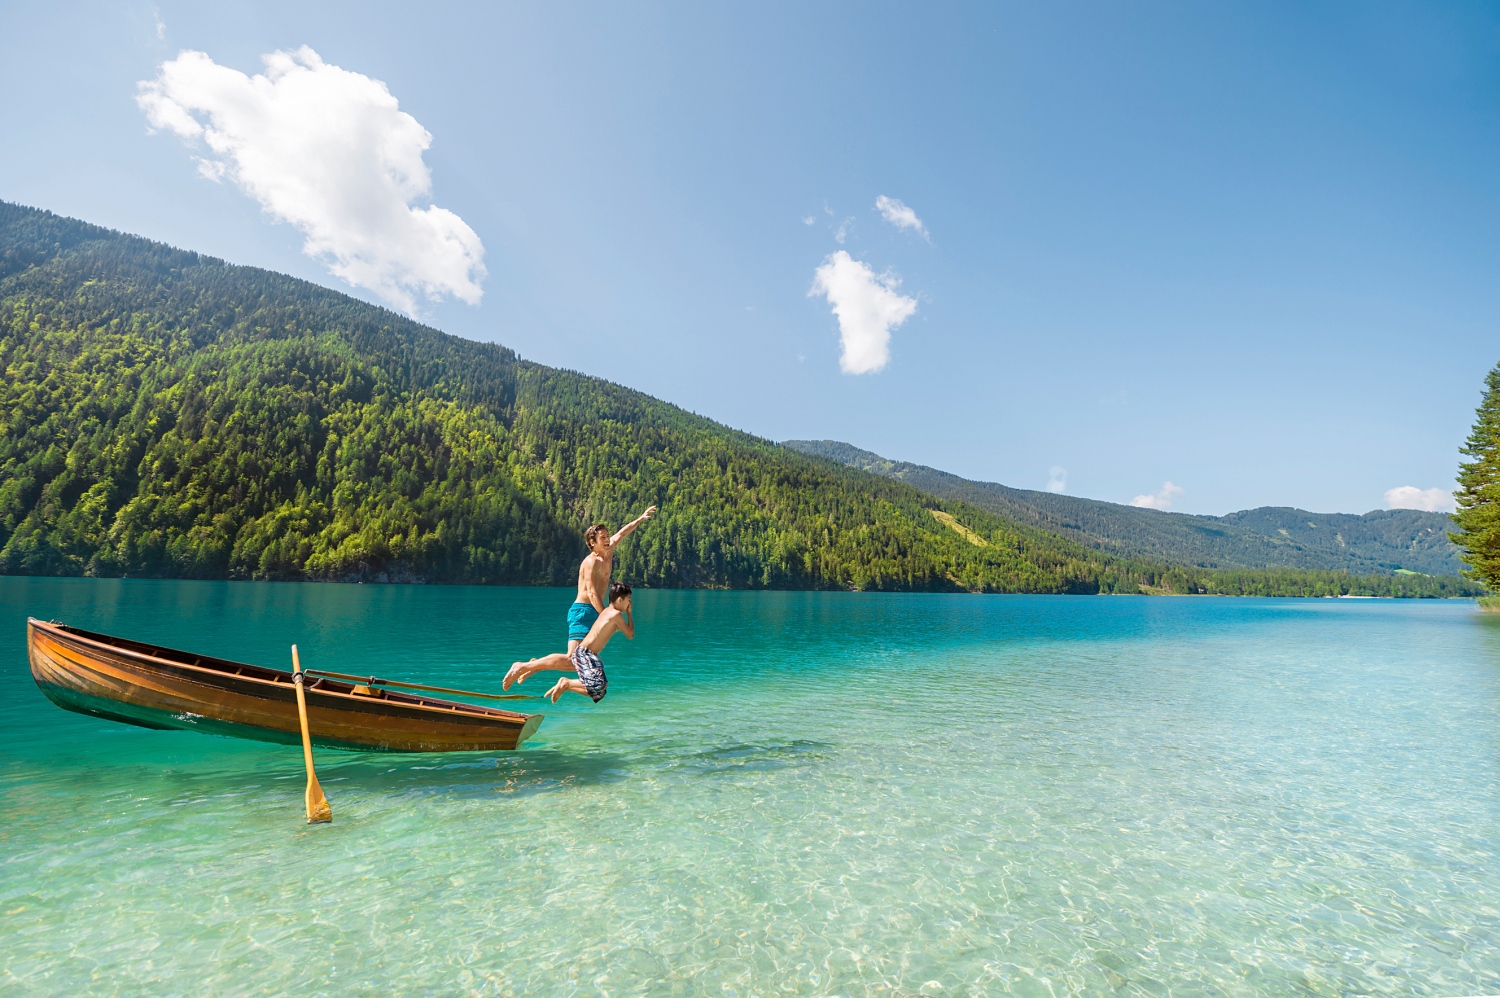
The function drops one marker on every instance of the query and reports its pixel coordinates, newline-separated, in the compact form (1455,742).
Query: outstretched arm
(629,528)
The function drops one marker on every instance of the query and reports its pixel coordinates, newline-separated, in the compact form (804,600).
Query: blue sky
(1246,249)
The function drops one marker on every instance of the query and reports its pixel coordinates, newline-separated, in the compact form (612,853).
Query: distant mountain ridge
(1380,542)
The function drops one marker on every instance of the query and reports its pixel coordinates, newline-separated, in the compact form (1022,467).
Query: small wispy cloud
(161,27)
(898,214)
(868,307)
(1411,497)
(1057,479)
(331,152)
(842,232)
(1159,500)
(1118,398)
(808,219)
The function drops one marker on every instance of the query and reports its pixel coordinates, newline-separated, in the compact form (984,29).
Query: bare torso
(593,579)
(610,622)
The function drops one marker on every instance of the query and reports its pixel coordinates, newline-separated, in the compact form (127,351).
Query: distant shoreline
(1487,603)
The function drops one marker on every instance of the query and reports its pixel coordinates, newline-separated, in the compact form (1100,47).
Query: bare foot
(511,677)
(557,690)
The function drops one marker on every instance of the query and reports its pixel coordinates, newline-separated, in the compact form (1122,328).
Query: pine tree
(1478,515)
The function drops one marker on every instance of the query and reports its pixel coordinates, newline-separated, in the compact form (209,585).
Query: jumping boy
(593,576)
(583,657)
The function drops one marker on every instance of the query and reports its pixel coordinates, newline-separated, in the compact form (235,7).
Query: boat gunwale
(450,708)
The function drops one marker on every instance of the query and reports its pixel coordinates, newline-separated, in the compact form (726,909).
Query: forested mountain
(1379,542)
(167,414)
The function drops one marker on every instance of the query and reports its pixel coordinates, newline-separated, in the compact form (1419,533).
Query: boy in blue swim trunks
(593,583)
(583,658)
(594,573)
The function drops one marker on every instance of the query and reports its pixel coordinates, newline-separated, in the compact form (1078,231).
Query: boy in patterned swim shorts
(584,659)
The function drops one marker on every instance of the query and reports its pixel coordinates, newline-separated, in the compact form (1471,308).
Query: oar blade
(318,810)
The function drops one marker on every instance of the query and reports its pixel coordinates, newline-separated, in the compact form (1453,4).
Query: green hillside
(1380,543)
(168,414)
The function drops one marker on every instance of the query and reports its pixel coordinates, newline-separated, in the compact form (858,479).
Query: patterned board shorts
(590,672)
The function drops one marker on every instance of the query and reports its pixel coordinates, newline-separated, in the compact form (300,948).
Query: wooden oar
(373,681)
(317,805)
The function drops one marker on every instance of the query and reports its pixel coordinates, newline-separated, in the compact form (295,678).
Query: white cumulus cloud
(868,307)
(1159,500)
(1057,479)
(330,152)
(1411,497)
(898,214)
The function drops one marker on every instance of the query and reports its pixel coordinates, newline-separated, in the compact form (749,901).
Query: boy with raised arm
(593,576)
(583,658)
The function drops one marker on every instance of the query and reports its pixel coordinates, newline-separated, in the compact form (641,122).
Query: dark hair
(618,589)
(594,531)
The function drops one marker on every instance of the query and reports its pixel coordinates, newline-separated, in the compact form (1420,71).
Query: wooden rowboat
(157,687)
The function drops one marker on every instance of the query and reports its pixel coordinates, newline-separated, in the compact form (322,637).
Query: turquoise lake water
(783,794)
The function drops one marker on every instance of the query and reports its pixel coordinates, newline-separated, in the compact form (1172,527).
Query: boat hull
(163,688)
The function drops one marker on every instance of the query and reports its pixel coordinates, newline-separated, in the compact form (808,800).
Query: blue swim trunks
(581,617)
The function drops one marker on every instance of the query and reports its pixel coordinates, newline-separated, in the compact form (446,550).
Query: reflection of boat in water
(158,687)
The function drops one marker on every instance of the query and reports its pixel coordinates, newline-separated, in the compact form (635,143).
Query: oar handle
(374,681)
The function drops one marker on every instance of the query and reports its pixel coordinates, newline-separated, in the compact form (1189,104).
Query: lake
(782,794)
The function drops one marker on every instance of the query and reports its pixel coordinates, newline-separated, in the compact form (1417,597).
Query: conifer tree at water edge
(1478,495)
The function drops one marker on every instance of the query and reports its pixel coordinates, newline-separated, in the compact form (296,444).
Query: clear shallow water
(784,793)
